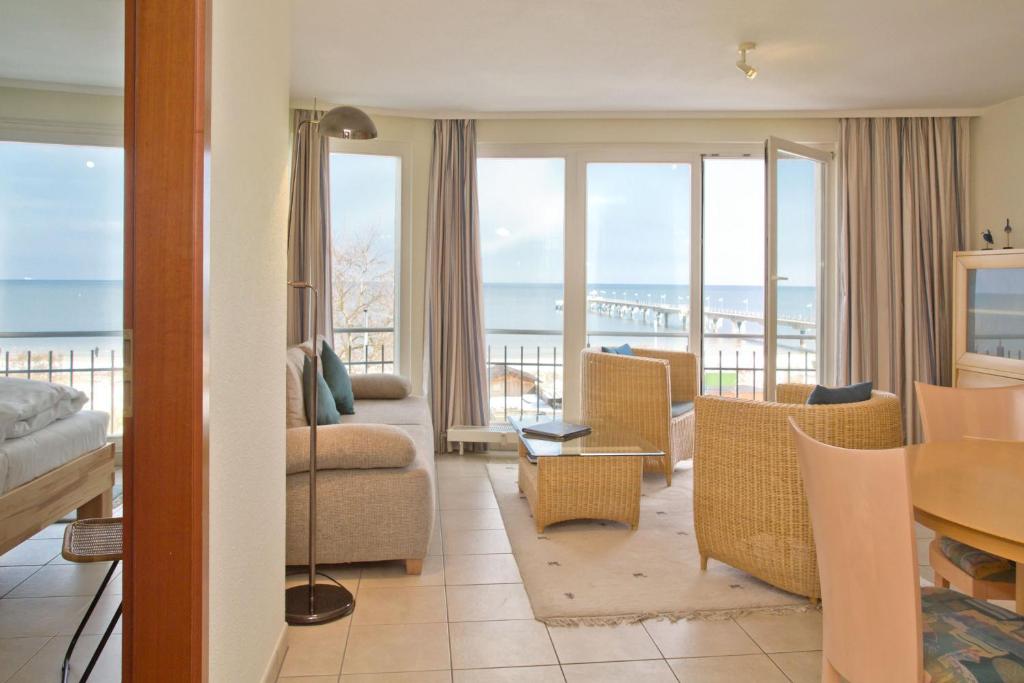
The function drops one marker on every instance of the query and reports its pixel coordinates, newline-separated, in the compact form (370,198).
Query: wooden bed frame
(85,484)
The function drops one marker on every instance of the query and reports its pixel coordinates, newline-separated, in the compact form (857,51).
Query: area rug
(595,573)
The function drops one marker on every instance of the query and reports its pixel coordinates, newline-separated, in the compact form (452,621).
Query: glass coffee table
(598,476)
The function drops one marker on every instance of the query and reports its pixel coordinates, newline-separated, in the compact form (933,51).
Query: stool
(93,540)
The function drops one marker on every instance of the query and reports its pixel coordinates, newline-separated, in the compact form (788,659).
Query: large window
(638,254)
(522,219)
(61,272)
(365,229)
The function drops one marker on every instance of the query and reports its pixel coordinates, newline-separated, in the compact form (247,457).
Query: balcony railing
(366,350)
(96,371)
(525,380)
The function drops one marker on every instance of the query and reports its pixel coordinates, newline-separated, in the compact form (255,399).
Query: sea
(70,306)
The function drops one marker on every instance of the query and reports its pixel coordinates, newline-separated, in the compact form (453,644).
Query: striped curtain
(309,229)
(902,213)
(456,368)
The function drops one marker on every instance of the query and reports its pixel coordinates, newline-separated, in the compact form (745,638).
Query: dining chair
(880,626)
(949,414)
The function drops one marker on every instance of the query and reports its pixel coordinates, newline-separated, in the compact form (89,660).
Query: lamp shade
(348,123)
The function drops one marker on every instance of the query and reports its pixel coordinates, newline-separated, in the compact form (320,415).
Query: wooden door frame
(165,446)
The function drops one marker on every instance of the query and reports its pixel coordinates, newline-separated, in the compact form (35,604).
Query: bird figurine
(989,240)
(1007,230)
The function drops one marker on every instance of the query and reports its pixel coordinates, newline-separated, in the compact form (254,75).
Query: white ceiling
(58,43)
(657,55)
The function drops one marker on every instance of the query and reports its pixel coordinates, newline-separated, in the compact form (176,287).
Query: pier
(662,315)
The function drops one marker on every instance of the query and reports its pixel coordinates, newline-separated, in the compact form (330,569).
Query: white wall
(997,173)
(249,165)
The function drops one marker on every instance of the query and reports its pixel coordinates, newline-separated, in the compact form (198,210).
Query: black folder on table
(557,430)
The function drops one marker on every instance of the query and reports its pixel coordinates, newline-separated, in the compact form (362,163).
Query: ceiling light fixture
(749,71)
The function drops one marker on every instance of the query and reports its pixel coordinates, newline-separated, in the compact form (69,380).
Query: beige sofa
(375,480)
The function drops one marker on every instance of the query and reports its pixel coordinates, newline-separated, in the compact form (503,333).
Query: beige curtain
(456,367)
(902,213)
(309,228)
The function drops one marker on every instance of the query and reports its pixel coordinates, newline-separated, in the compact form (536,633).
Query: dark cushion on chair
(977,563)
(855,393)
(682,408)
(970,640)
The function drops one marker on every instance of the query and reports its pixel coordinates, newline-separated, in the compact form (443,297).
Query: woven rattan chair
(749,505)
(650,393)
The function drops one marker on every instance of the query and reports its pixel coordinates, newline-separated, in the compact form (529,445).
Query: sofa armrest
(682,367)
(380,386)
(350,447)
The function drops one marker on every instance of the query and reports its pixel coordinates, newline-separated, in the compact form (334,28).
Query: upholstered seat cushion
(977,563)
(970,641)
(682,408)
(350,447)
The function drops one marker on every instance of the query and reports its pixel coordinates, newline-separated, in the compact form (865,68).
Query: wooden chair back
(862,519)
(951,413)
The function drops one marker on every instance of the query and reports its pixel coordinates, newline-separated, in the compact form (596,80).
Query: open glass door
(795,182)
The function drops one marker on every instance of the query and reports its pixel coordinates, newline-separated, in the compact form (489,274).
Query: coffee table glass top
(605,439)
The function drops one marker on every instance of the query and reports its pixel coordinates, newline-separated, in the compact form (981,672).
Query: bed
(66,465)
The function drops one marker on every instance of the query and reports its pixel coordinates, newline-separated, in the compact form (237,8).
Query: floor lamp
(314,603)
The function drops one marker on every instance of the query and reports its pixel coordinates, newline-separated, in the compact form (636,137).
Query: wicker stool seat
(93,540)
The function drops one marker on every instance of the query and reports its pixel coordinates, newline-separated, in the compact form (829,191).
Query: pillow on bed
(27,406)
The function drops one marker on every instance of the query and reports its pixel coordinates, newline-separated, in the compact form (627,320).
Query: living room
(714,249)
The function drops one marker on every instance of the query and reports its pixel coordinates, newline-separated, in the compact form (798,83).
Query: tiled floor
(42,600)
(465,619)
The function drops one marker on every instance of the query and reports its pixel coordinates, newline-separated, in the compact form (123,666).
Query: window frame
(403,244)
(574,239)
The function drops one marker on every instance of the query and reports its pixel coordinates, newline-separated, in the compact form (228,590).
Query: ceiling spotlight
(749,71)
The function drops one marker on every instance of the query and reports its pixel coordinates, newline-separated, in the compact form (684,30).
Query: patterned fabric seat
(970,641)
(978,563)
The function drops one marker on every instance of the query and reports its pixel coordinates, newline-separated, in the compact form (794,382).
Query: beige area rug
(593,572)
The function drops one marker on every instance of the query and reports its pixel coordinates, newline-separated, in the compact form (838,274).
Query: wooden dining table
(972,491)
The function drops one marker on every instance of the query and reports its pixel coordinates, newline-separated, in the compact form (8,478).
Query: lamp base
(330,602)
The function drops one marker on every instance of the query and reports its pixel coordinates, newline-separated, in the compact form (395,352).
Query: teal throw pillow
(624,350)
(326,412)
(338,380)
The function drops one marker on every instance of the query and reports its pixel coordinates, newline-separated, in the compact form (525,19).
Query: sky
(61,212)
(61,216)
(638,221)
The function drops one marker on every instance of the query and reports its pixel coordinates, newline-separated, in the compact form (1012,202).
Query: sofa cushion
(380,386)
(326,411)
(411,410)
(336,376)
(350,446)
(295,409)
(855,393)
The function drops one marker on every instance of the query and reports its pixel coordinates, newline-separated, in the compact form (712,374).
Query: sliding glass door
(795,209)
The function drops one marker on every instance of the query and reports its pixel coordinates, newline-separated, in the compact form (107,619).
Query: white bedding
(27,457)
(29,405)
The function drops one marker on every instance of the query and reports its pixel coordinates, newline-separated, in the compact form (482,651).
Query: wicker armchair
(639,392)
(749,506)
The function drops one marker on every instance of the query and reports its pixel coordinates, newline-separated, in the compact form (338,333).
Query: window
(61,268)
(522,219)
(365,230)
(638,254)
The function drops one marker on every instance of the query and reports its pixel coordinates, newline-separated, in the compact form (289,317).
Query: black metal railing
(366,350)
(99,373)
